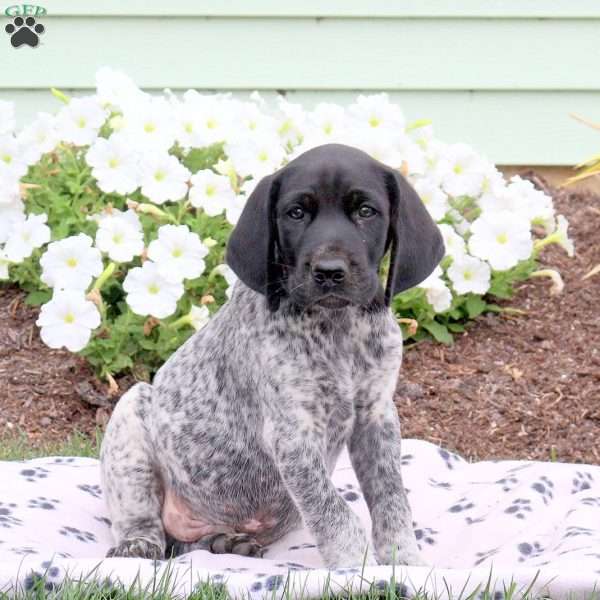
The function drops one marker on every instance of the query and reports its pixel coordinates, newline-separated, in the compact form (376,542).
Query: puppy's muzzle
(329,274)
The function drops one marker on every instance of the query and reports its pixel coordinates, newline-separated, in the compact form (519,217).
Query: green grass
(15,446)
(163,589)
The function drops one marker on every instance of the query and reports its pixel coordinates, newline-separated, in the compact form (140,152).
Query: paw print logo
(24,31)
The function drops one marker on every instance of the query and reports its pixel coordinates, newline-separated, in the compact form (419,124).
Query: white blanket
(498,522)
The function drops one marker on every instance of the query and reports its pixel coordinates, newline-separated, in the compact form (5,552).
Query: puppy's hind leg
(130,480)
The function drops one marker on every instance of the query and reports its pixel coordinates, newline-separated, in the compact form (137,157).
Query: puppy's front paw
(136,548)
(408,557)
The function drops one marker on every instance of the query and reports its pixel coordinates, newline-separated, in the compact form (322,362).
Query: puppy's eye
(366,211)
(295,213)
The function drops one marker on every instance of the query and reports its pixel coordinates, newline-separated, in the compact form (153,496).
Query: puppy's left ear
(417,245)
(252,246)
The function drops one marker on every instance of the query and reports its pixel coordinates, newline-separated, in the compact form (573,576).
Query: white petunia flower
(436,291)
(163,178)
(204,120)
(493,189)
(68,320)
(10,215)
(454,243)
(71,263)
(80,121)
(149,124)
(433,197)
(7,117)
(469,274)
(291,121)
(114,165)
(9,188)
(459,170)
(26,236)
(12,160)
(234,209)
(211,192)
(377,111)
(252,120)
(230,277)
(257,155)
(534,204)
(148,293)
(120,235)
(38,138)
(178,253)
(500,239)
(4,264)
(199,317)
(380,144)
(117,89)
(423,136)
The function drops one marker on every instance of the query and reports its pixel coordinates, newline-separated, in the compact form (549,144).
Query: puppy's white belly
(186,526)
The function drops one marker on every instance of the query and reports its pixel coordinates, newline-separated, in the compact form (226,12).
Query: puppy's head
(317,230)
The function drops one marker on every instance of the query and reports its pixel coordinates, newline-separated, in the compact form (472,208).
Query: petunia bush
(115,212)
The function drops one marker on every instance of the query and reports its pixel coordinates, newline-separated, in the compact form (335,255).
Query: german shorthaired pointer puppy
(233,444)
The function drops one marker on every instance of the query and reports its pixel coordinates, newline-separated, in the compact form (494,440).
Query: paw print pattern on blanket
(512,517)
(544,487)
(529,550)
(424,535)
(582,481)
(35,474)
(462,505)
(519,508)
(82,536)
(349,493)
(93,490)
(7,518)
(43,503)
(450,459)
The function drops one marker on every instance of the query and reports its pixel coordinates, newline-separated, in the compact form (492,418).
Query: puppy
(233,444)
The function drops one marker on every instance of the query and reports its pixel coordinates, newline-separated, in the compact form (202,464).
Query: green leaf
(203,158)
(38,297)
(438,331)
(455,327)
(475,305)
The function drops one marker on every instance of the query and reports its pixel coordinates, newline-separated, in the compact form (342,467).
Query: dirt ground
(513,386)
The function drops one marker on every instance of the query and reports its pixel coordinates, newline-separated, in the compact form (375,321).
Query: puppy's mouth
(333,301)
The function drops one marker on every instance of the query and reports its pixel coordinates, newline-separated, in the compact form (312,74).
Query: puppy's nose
(329,271)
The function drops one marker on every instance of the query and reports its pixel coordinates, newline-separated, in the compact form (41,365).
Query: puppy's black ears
(252,247)
(417,245)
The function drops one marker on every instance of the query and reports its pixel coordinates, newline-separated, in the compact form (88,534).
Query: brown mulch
(512,386)
(524,387)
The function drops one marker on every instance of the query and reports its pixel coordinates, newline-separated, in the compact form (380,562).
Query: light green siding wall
(502,75)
